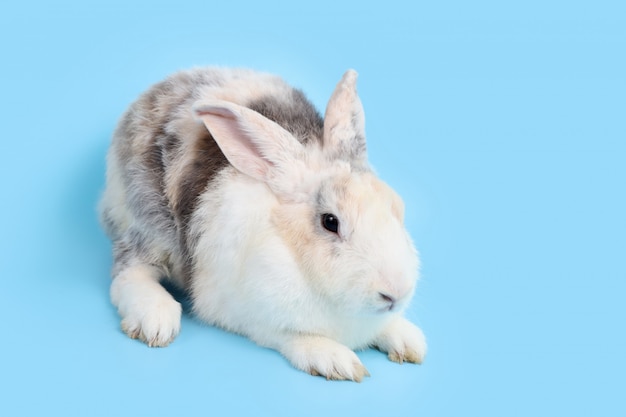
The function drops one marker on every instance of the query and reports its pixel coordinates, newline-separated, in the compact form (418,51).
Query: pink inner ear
(236,142)
(253,144)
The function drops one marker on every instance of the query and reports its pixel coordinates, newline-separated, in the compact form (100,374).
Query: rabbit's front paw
(156,322)
(322,356)
(402,341)
(148,311)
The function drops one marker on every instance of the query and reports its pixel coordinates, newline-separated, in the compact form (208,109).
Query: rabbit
(229,184)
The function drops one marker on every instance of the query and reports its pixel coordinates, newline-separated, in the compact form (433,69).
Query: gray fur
(297,116)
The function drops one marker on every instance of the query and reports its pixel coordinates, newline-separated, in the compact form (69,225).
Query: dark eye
(330,222)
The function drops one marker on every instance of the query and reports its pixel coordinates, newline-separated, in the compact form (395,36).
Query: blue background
(502,124)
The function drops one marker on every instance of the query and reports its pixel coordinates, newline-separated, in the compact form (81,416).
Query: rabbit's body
(273,221)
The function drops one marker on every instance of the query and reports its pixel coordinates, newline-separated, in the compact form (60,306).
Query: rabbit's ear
(344,123)
(253,144)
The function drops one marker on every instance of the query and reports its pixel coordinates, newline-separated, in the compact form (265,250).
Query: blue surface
(502,125)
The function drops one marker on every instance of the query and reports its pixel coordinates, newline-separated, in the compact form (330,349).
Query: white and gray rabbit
(232,186)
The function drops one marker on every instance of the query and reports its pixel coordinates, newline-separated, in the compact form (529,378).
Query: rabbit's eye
(330,222)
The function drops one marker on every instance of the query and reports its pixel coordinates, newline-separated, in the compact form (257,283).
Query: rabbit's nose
(389,301)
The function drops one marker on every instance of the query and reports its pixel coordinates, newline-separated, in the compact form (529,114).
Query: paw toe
(356,373)
(408,355)
(320,356)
